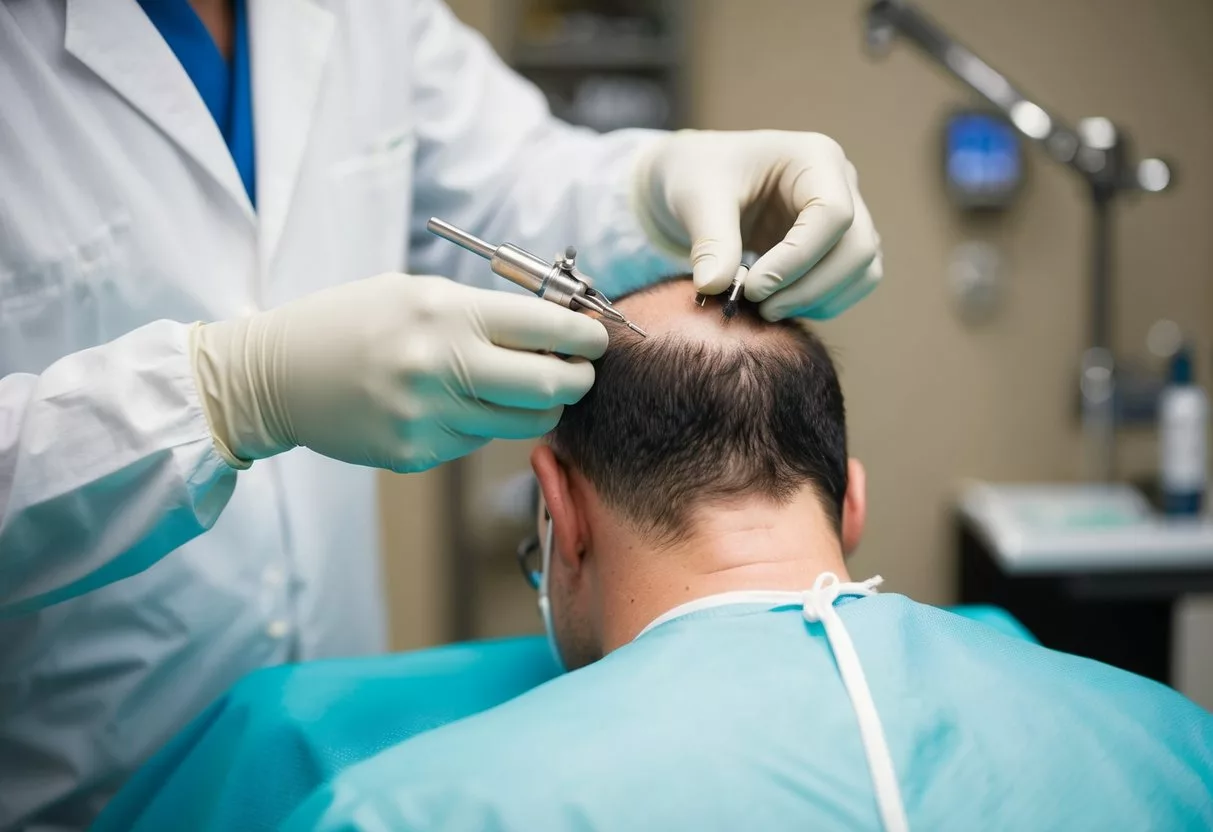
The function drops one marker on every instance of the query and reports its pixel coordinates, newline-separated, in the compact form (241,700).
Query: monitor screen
(982,158)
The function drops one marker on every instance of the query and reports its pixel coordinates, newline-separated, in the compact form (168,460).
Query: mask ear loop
(545,604)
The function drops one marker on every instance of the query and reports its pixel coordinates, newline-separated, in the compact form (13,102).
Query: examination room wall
(933,400)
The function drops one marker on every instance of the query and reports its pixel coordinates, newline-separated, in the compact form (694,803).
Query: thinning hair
(674,423)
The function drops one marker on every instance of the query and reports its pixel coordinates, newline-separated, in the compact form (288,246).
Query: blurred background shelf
(606,64)
(620,55)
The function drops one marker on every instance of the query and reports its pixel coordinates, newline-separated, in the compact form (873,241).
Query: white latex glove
(395,372)
(792,198)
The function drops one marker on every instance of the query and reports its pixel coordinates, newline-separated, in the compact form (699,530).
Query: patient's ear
(854,506)
(568,527)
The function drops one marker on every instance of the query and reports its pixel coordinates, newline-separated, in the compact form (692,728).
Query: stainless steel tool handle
(514,264)
(460,237)
(528,271)
(558,282)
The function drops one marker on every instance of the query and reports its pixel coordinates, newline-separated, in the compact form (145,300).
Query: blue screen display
(983,154)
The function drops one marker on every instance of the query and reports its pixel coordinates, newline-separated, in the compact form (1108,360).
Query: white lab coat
(123,218)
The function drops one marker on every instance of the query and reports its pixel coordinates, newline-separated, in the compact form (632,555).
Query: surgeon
(728,672)
(219,312)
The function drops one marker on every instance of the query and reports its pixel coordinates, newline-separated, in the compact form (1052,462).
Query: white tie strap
(819,606)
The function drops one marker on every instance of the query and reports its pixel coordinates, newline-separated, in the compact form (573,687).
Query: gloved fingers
(819,193)
(409,460)
(854,293)
(527,323)
(712,218)
(528,380)
(491,421)
(832,279)
(840,302)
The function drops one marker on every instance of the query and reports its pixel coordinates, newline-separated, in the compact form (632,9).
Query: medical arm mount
(1095,151)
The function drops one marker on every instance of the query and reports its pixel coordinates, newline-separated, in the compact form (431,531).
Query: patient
(727,674)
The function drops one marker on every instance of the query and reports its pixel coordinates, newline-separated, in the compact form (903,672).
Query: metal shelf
(602,55)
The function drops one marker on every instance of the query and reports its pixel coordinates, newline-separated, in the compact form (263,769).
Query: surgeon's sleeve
(106,465)
(491,158)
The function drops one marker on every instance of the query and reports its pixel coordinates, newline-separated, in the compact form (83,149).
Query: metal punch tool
(731,301)
(558,282)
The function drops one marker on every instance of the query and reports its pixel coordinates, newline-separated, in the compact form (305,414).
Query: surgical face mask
(545,602)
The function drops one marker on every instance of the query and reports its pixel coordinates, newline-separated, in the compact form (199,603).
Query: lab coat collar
(118,43)
(289,41)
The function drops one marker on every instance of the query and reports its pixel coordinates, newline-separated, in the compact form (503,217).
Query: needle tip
(635,328)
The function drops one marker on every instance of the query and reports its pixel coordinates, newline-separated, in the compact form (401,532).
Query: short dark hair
(674,423)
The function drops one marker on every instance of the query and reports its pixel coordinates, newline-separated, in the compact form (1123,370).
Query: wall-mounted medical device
(1095,149)
(983,162)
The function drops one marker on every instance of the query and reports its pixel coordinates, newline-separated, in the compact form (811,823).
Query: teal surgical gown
(735,718)
(257,752)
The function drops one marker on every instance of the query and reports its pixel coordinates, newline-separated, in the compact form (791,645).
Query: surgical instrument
(730,304)
(558,282)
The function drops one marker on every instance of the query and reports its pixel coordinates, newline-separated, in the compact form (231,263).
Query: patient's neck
(747,544)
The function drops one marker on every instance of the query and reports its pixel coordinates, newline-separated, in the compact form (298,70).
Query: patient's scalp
(703,411)
(670,308)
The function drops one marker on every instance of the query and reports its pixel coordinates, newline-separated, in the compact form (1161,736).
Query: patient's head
(710,446)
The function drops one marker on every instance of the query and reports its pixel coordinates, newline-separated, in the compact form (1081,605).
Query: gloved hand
(792,198)
(394,371)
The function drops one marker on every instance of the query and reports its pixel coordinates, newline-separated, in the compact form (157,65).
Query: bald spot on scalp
(669,309)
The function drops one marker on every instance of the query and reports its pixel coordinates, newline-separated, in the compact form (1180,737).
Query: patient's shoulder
(512,767)
(993,675)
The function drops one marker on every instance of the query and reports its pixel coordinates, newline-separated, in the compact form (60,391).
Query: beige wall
(933,401)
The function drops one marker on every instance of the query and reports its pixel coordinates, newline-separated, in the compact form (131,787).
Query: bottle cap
(1181,366)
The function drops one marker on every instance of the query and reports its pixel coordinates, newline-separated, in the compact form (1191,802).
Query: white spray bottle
(1183,429)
